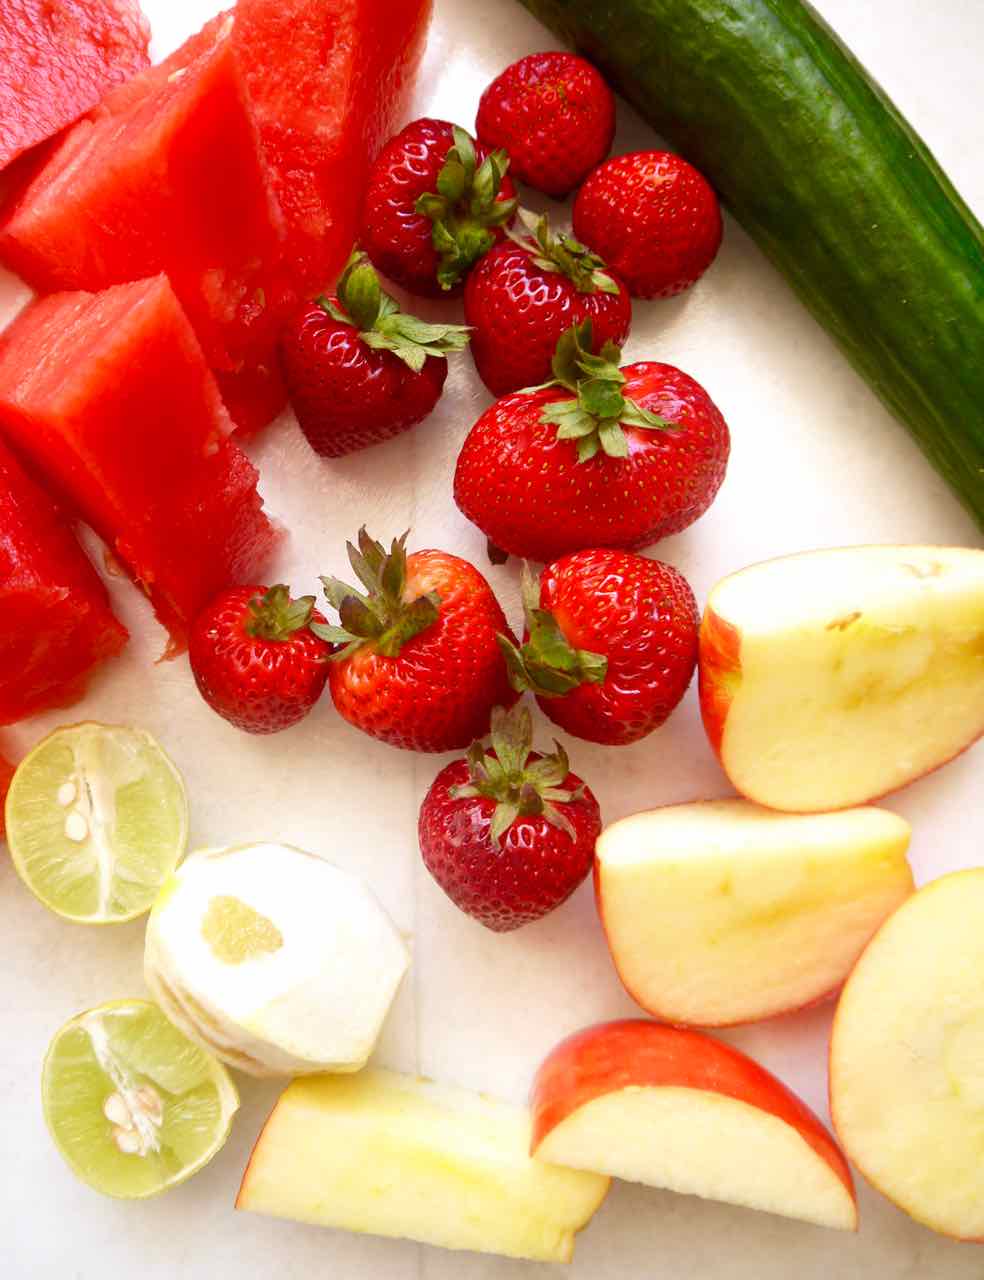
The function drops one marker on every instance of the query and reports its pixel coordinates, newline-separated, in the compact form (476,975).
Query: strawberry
(524,294)
(610,643)
(653,218)
(435,202)
(255,658)
(419,665)
(509,834)
(360,370)
(554,114)
(601,456)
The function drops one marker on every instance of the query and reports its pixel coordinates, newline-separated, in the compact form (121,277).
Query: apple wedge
(723,912)
(395,1155)
(673,1108)
(907,1057)
(830,678)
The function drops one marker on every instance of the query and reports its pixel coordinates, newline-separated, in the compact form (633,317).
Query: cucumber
(823,171)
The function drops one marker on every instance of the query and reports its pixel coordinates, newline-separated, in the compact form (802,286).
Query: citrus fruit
(97,819)
(133,1106)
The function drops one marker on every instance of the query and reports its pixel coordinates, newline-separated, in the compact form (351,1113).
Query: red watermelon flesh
(254,395)
(57,59)
(6,776)
(164,176)
(329,82)
(56,625)
(109,397)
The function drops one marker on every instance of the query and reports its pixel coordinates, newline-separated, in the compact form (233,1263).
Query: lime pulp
(97,819)
(133,1105)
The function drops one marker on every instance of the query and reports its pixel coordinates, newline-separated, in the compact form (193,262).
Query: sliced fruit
(133,1106)
(56,625)
(58,60)
(273,959)
(165,175)
(108,396)
(907,1057)
(328,82)
(393,1155)
(96,819)
(723,912)
(673,1108)
(833,677)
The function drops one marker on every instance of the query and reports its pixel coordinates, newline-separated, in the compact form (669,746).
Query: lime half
(133,1106)
(97,819)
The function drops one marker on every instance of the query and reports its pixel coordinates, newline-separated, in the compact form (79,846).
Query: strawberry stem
(466,207)
(585,270)
(381,615)
(362,302)
(506,775)
(275,616)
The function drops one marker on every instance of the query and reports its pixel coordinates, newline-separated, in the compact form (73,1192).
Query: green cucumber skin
(822,170)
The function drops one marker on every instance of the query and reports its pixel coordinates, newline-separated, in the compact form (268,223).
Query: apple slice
(907,1057)
(673,1108)
(833,677)
(395,1155)
(723,912)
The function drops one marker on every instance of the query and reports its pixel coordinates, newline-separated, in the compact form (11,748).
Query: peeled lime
(133,1106)
(97,819)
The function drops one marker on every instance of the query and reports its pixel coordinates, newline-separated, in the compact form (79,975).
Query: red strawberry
(255,658)
(610,644)
(509,834)
(603,457)
(653,218)
(554,114)
(420,667)
(360,370)
(435,202)
(523,295)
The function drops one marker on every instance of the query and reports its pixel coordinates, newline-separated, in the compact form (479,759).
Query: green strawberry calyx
(600,409)
(362,302)
(547,664)
(275,616)
(561,252)
(381,615)
(465,209)
(519,786)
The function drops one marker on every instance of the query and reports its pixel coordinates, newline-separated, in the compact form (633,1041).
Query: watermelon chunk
(55,621)
(58,59)
(164,176)
(329,82)
(109,397)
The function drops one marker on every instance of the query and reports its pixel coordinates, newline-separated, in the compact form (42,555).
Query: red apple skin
(619,1055)
(822,998)
(718,672)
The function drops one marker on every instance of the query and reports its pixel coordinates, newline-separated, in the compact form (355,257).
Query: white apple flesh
(672,1108)
(907,1057)
(273,959)
(398,1156)
(831,678)
(724,912)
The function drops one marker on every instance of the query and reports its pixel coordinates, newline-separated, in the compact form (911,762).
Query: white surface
(816,462)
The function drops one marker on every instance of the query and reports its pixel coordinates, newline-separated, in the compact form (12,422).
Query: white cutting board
(816,462)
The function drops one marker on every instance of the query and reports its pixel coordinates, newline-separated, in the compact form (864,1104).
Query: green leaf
(612,439)
(570,419)
(336,591)
(557,818)
(360,293)
(358,619)
(588,447)
(512,737)
(464,149)
(600,397)
(333,635)
(451,180)
(513,657)
(569,344)
(412,620)
(634,415)
(503,818)
(393,571)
